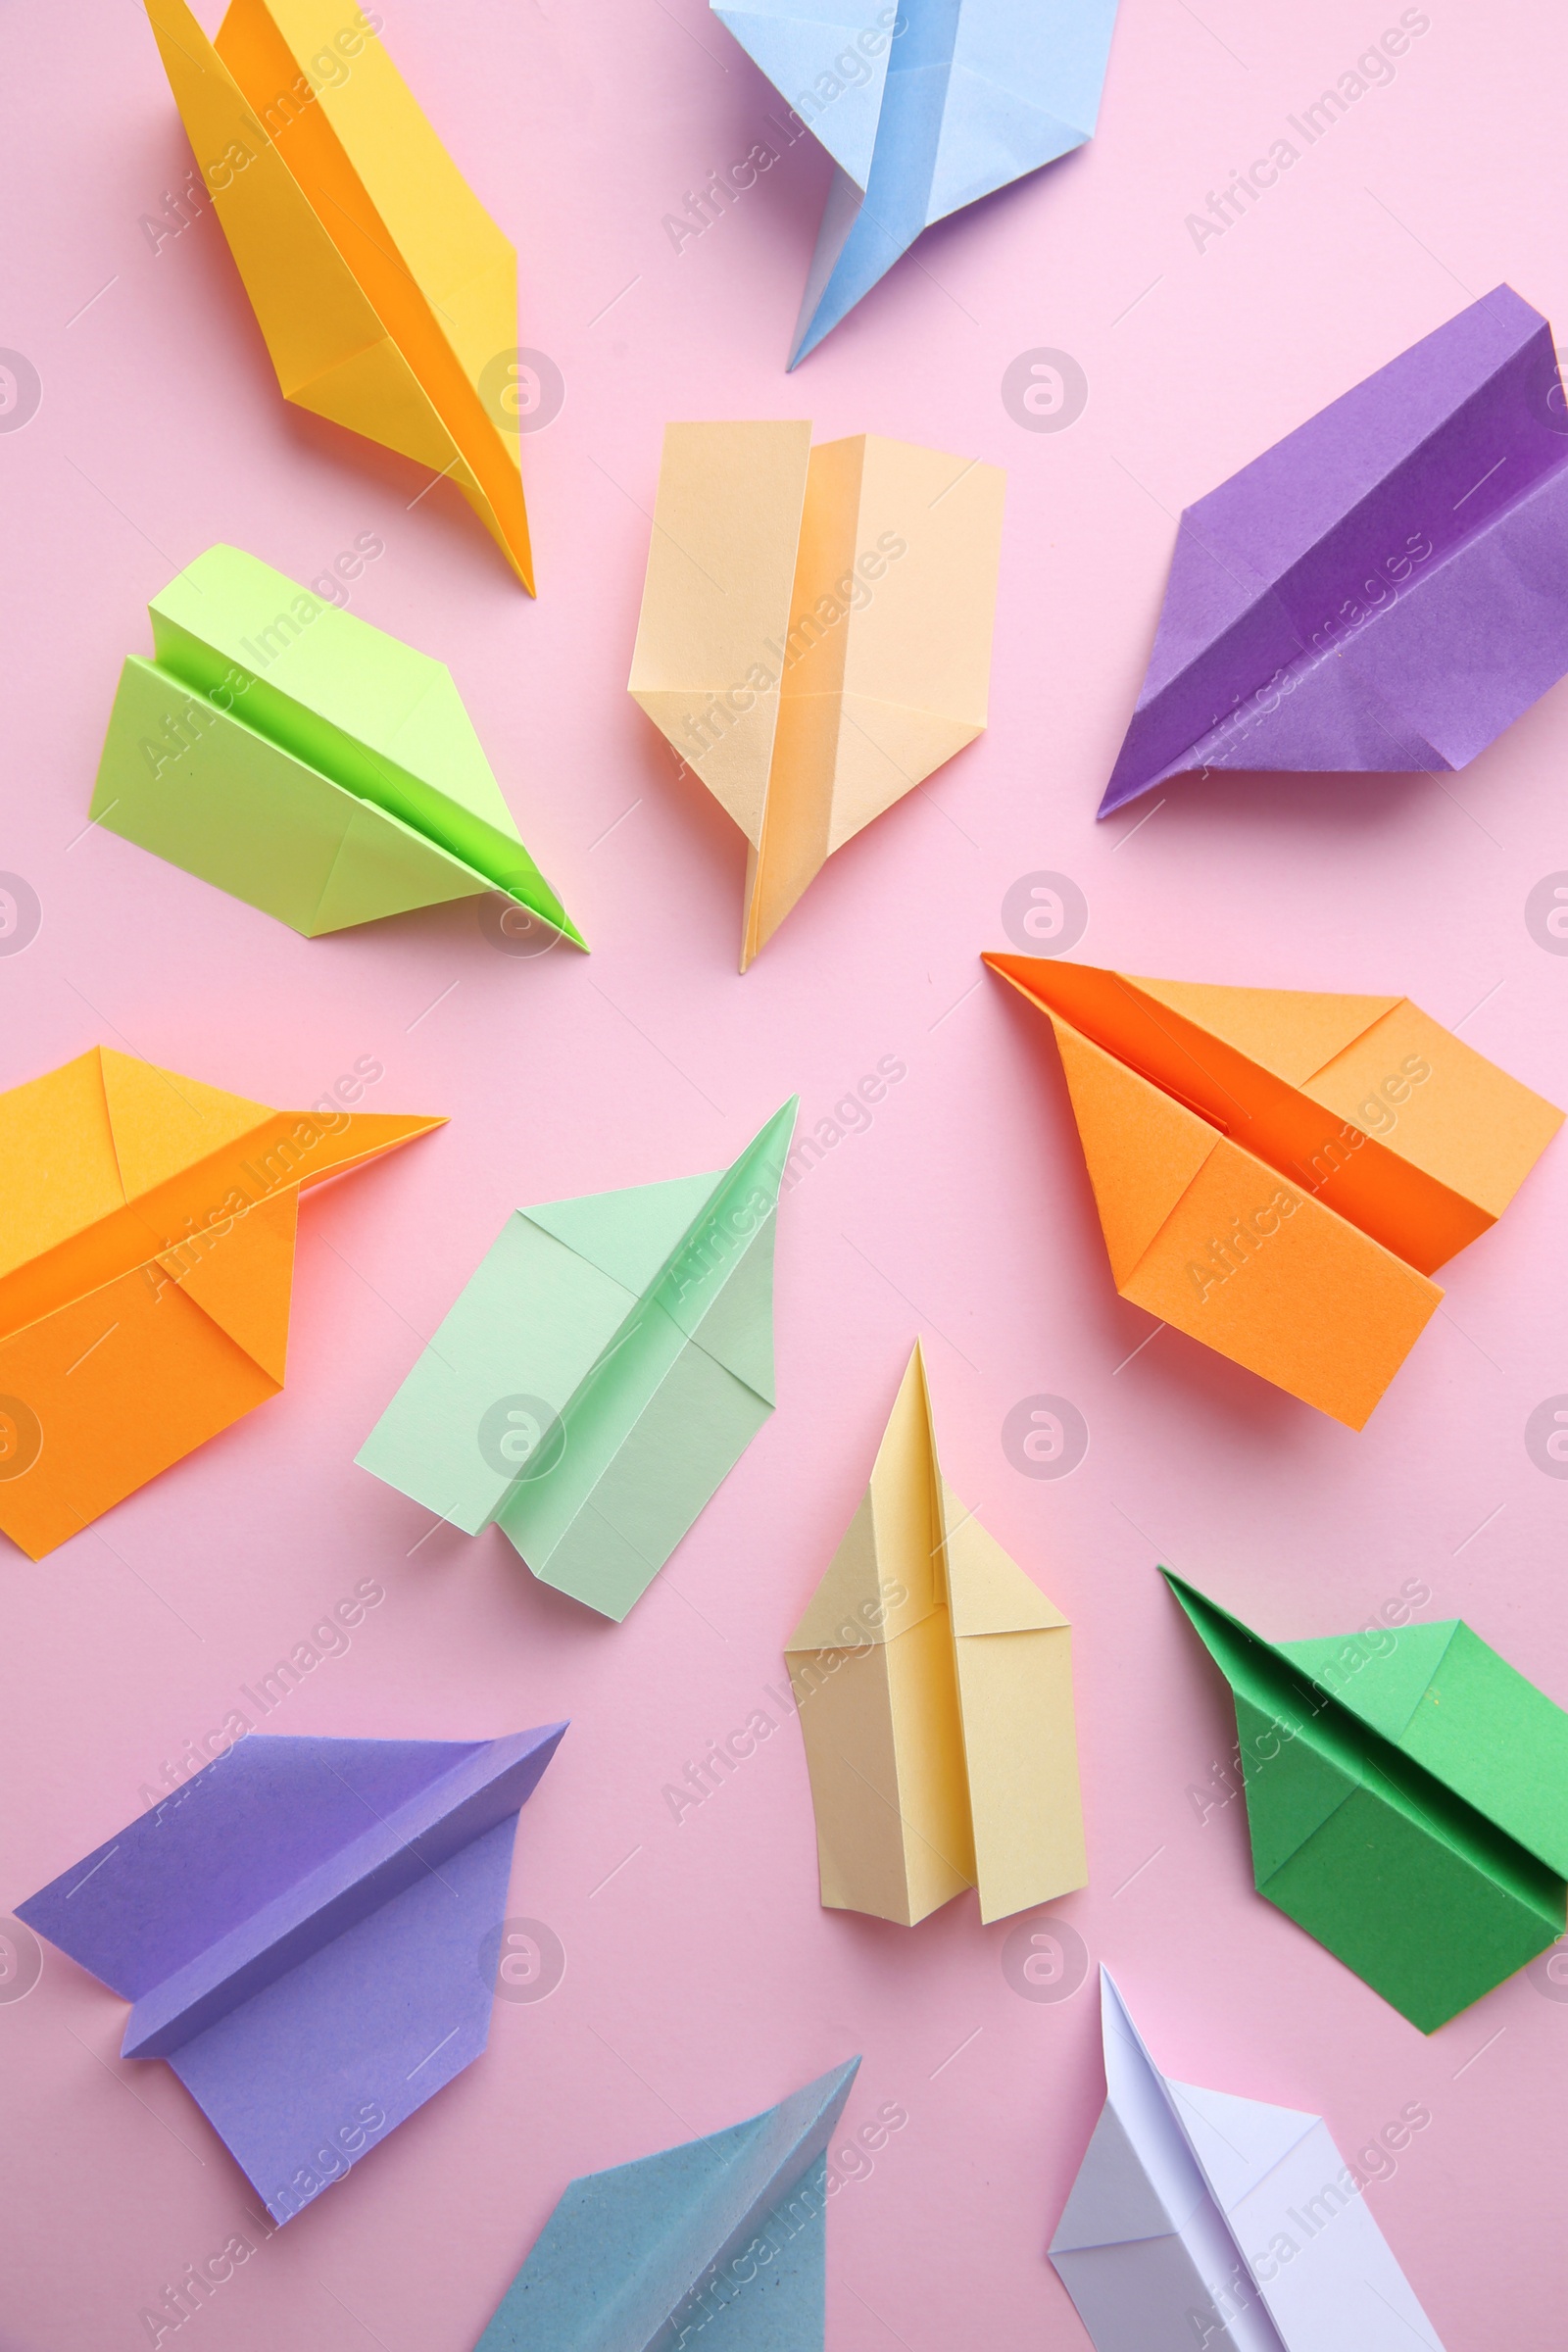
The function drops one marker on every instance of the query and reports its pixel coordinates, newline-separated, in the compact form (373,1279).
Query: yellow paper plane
(146,1259)
(1279,1173)
(815,632)
(385,293)
(934,1686)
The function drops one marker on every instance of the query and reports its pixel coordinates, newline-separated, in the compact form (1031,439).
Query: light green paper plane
(606,1366)
(303,761)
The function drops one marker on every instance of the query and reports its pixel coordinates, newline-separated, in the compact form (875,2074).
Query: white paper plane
(1203,2222)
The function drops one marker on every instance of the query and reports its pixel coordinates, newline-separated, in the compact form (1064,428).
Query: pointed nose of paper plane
(1129,781)
(363,1136)
(768,1149)
(516,1761)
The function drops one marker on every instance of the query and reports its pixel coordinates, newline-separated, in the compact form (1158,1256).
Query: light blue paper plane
(606,1367)
(924,108)
(720,2241)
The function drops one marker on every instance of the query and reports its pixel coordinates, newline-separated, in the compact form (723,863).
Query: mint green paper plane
(607,1366)
(728,2234)
(303,761)
(1407,1797)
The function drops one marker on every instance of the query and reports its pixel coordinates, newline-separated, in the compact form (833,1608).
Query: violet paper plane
(1201,2219)
(301,1931)
(1385,590)
(925,107)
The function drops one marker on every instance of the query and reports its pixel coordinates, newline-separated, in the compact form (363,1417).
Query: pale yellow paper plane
(386,294)
(815,632)
(934,1686)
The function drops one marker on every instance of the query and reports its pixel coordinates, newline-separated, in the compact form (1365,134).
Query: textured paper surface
(604,1369)
(1198,2217)
(1407,1798)
(1383,591)
(383,287)
(1279,1173)
(925,109)
(967,1192)
(815,632)
(146,1259)
(934,1684)
(298,1930)
(304,761)
(725,2238)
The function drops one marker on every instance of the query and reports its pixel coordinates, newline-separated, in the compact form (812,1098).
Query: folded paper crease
(1406,1799)
(1200,2216)
(601,1373)
(933,1682)
(1385,590)
(815,631)
(300,1930)
(1279,1172)
(924,108)
(385,294)
(304,761)
(147,1229)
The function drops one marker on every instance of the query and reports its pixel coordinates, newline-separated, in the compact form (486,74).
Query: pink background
(703,1980)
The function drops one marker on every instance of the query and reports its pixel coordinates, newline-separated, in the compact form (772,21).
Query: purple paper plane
(303,1932)
(1383,591)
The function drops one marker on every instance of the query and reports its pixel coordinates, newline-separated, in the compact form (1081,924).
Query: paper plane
(727,2229)
(298,1928)
(1407,1797)
(605,1368)
(815,632)
(1385,590)
(934,1687)
(386,295)
(1199,2218)
(925,109)
(1278,1172)
(146,1260)
(303,761)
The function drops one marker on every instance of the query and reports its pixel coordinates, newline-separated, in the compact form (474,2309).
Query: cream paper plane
(934,1686)
(1202,2220)
(815,632)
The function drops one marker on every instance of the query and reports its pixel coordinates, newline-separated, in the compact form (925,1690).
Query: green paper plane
(305,761)
(1407,1797)
(607,1366)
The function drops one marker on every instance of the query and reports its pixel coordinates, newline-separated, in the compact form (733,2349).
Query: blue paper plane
(925,107)
(720,2241)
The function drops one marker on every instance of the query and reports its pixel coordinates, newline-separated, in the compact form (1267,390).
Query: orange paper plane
(146,1258)
(1278,1173)
(815,632)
